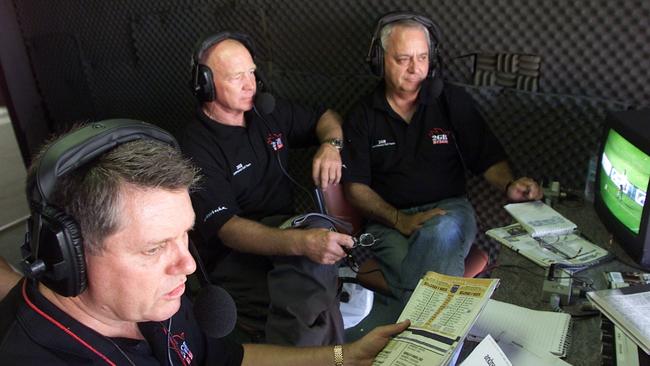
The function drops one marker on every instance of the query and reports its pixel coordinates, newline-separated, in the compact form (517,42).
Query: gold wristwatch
(338,355)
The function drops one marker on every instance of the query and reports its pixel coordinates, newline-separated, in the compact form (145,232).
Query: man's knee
(391,246)
(449,229)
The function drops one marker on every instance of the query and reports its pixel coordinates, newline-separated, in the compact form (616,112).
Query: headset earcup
(376,61)
(205,84)
(203,80)
(61,249)
(436,84)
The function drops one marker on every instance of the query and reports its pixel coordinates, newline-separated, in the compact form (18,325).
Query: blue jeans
(441,245)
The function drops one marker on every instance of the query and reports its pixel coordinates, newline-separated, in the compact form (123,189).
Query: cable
(277,155)
(313,201)
(624,261)
(169,354)
(66,329)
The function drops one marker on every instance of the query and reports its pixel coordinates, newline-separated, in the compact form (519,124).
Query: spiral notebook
(541,332)
(540,219)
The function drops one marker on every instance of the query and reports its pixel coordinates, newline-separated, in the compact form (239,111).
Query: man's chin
(410,88)
(166,310)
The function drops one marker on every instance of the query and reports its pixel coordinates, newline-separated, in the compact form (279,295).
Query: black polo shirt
(411,164)
(240,167)
(29,335)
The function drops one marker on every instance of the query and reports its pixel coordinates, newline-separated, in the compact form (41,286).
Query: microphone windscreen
(215,311)
(264,103)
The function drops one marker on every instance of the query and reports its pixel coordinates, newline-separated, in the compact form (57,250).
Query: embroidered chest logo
(240,168)
(382,143)
(275,141)
(178,344)
(439,136)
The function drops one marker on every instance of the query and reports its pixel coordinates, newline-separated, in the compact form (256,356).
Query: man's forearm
(371,205)
(265,354)
(329,126)
(252,237)
(499,175)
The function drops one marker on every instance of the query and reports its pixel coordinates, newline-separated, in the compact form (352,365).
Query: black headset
(202,83)
(375,57)
(53,249)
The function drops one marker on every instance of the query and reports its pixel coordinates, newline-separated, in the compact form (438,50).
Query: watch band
(338,355)
(336,142)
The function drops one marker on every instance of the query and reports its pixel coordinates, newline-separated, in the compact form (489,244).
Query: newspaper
(571,250)
(628,309)
(442,310)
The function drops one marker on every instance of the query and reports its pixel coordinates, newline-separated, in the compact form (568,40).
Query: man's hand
(326,167)
(364,351)
(408,224)
(324,246)
(524,189)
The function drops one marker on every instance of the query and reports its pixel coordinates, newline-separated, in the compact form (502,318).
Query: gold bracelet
(338,355)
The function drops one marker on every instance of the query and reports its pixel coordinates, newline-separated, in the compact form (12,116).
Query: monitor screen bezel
(627,124)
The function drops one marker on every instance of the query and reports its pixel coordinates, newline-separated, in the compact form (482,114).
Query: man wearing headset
(284,281)
(128,212)
(408,145)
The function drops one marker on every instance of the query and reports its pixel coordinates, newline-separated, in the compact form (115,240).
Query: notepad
(540,219)
(538,331)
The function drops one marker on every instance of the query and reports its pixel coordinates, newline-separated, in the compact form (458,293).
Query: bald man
(284,281)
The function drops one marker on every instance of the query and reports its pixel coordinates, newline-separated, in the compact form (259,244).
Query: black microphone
(214,308)
(264,103)
(215,311)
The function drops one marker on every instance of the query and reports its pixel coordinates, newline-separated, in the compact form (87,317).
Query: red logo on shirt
(178,344)
(439,136)
(275,141)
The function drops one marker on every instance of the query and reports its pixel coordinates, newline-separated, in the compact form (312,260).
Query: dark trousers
(289,300)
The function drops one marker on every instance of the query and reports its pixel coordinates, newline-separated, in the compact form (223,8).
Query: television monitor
(622,181)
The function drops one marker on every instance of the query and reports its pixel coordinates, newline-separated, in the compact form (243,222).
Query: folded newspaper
(570,250)
(442,310)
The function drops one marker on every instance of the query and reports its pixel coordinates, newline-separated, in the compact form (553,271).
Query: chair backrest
(336,205)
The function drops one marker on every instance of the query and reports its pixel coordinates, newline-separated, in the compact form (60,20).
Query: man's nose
(250,81)
(184,262)
(412,66)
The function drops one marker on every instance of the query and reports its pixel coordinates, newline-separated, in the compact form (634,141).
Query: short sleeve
(213,199)
(298,122)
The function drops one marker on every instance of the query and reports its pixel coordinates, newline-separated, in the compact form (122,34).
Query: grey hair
(386,30)
(92,194)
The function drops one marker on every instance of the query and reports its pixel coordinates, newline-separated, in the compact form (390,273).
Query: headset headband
(83,145)
(206,43)
(434,31)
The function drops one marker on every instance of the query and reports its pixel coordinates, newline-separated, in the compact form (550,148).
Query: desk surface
(522,285)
